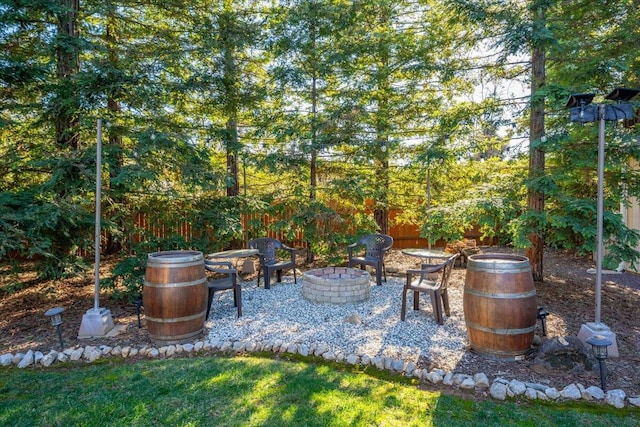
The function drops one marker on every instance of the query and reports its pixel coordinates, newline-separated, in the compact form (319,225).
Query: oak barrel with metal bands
(500,305)
(175,295)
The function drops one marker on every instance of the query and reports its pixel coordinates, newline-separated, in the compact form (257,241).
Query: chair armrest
(351,247)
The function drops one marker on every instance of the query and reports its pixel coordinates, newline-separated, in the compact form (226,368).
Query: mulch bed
(567,293)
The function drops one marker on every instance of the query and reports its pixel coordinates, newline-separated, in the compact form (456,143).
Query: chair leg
(260,268)
(267,279)
(384,271)
(416,300)
(279,276)
(379,277)
(403,310)
(437,307)
(237,296)
(294,275)
(445,302)
(210,299)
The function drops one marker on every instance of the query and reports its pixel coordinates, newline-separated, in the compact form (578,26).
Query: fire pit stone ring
(336,285)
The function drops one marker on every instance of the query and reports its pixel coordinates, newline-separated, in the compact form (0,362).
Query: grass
(255,391)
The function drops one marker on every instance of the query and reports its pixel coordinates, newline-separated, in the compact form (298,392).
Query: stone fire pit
(336,285)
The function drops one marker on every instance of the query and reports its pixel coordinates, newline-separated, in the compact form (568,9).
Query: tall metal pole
(600,213)
(98,214)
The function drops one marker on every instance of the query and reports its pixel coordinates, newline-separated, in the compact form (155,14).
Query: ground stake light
(600,344)
(56,320)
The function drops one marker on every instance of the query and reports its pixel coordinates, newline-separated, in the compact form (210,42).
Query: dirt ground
(567,293)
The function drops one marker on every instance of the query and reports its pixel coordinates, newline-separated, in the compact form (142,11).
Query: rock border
(499,389)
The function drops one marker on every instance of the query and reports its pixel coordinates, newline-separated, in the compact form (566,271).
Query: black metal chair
(268,249)
(226,279)
(376,245)
(431,279)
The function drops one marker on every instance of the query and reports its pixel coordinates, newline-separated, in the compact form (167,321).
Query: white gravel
(281,313)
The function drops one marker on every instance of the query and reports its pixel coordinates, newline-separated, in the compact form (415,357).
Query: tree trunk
(67,65)
(535,200)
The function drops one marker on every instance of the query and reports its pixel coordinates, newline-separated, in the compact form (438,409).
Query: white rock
(459,378)
(434,377)
(571,392)
(398,365)
(37,357)
(76,354)
(365,359)
(17,358)
(303,350)
(188,348)
(94,354)
(238,346)
(171,350)
(133,351)
(154,352)
(481,380)
(593,393)
(207,346)
(27,360)
(125,351)
(531,393)
(63,357)
(388,363)
(552,393)
(6,359)
(179,348)
(49,358)
(215,344)
(378,362)
(635,401)
(541,395)
(226,346)
(68,351)
(468,384)
(498,391)
(292,348)
(517,387)
(448,379)
(199,345)
(250,346)
(117,351)
(352,359)
(105,349)
(329,355)
(616,398)
(410,367)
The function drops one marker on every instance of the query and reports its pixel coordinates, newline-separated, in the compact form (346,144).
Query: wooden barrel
(500,305)
(175,296)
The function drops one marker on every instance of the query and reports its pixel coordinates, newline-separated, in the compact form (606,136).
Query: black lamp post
(600,344)
(542,316)
(56,320)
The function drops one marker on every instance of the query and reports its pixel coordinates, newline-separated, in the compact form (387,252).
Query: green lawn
(255,391)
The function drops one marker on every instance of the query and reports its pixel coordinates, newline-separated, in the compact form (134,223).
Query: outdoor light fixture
(56,320)
(542,315)
(582,111)
(600,345)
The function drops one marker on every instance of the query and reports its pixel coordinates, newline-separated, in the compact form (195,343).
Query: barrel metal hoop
(500,331)
(177,319)
(174,263)
(489,269)
(175,285)
(515,295)
(172,338)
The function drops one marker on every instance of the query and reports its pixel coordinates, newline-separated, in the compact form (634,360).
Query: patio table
(233,254)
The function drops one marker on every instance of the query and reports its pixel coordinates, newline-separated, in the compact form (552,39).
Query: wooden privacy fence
(404,235)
